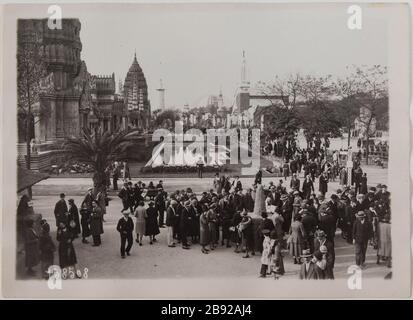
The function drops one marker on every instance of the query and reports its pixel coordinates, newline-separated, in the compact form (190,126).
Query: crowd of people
(271,220)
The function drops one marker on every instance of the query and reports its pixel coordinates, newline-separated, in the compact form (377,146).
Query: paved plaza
(160,261)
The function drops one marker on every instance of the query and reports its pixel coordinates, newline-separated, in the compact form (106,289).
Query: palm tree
(99,149)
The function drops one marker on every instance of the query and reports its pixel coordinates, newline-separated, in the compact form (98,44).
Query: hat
(62,195)
(320,233)
(151,204)
(323,249)
(379,186)
(187,203)
(213,206)
(284,197)
(174,202)
(320,196)
(384,186)
(339,191)
(360,214)
(89,189)
(126,211)
(296,192)
(46,227)
(265,231)
(71,201)
(305,254)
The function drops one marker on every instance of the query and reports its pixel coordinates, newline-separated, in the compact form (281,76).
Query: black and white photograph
(207,143)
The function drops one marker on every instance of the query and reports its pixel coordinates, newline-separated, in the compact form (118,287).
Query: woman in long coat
(31,247)
(84,221)
(212,226)
(47,249)
(140,226)
(96,223)
(204,238)
(308,187)
(152,227)
(296,239)
(384,243)
(74,216)
(67,254)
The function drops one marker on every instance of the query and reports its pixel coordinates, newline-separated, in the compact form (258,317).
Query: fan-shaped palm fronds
(99,149)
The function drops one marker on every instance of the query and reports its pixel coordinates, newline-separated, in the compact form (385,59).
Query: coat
(314,272)
(74,216)
(362,232)
(384,243)
(67,254)
(87,201)
(140,215)
(295,184)
(185,221)
(296,239)
(170,216)
(152,227)
(195,213)
(47,248)
(308,188)
(101,199)
(59,209)
(96,222)
(85,220)
(125,227)
(323,184)
(31,248)
(327,223)
(204,230)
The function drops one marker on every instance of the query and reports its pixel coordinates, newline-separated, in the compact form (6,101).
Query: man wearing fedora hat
(309,269)
(125,228)
(362,233)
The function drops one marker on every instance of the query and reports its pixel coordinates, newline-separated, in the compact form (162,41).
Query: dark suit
(313,273)
(125,228)
(295,184)
(185,225)
(60,209)
(362,232)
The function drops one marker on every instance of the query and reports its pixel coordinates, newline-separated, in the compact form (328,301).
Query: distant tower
(161,91)
(243,96)
(245,85)
(120,86)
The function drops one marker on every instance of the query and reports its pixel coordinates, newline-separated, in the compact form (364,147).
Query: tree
(317,117)
(347,108)
(99,149)
(372,96)
(166,119)
(31,70)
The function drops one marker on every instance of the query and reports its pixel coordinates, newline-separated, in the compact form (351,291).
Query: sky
(197,49)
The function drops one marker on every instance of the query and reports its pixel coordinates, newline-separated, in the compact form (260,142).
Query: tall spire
(135,59)
(244,82)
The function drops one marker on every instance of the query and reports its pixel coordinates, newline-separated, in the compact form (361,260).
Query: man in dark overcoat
(125,228)
(362,233)
(60,208)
